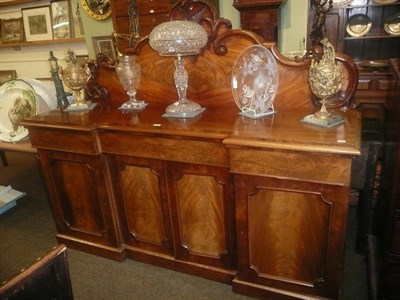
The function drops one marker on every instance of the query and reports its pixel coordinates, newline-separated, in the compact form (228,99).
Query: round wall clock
(97,9)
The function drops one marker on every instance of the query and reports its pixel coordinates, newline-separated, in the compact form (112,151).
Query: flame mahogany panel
(79,197)
(202,214)
(142,203)
(290,237)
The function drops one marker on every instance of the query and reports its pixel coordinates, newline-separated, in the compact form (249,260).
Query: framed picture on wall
(37,23)
(105,45)
(11,30)
(61,19)
(6,75)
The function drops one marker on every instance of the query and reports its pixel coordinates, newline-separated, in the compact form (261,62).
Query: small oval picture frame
(97,9)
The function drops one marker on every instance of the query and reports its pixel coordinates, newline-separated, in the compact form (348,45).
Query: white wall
(95,28)
(293,26)
(226,10)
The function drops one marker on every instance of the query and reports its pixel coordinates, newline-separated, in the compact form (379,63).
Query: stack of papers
(8,198)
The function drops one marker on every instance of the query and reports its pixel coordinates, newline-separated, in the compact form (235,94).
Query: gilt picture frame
(98,10)
(37,23)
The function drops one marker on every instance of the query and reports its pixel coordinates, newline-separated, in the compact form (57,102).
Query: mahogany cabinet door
(202,211)
(78,192)
(141,195)
(290,236)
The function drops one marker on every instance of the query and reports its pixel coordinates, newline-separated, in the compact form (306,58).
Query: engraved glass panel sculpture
(179,38)
(255,81)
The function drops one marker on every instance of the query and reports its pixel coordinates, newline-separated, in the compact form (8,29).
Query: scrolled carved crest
(203,13)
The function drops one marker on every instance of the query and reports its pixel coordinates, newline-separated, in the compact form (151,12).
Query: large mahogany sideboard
(257,203)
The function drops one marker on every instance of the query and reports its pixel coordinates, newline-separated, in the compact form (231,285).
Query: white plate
(255,80)
(18,100)
(47,98)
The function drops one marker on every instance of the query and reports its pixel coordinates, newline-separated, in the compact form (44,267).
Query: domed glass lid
(178,38)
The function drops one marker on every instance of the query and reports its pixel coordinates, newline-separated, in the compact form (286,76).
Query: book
(8,197)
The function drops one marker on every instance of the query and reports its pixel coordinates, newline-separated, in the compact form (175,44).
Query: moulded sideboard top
(283,130)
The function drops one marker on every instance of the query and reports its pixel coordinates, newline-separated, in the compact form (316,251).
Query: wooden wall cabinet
(260,16)
(151,13)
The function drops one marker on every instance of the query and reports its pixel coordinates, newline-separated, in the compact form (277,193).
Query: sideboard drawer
(76,141)
(206,152)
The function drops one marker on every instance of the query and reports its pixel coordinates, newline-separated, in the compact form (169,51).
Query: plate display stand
(89,106)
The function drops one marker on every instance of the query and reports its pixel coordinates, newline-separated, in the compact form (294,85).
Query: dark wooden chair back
(47,278)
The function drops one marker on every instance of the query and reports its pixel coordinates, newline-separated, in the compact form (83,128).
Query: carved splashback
(210,72)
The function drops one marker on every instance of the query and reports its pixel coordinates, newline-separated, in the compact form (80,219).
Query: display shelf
(372,36)
(377,43)
(16,2)
(44,42)
(8,5)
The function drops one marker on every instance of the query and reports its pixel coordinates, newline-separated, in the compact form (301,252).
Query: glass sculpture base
(81,106)
(133,105)
(251,113)
(328,121)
